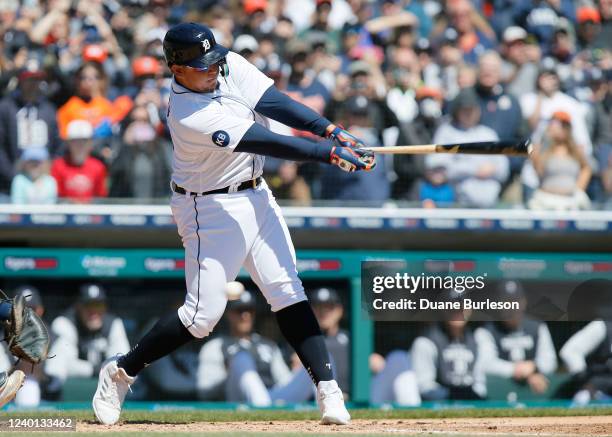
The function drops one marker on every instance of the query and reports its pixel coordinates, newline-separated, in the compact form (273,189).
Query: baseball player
(519,347)
(225,213)
(588,357)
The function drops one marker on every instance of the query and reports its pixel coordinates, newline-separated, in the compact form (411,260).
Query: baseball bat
(510,148)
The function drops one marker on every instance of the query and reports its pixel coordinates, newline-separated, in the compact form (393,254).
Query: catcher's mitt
(25,333)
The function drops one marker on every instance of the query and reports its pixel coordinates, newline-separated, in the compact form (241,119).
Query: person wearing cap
(447,360)
(477,179)
(302,83)
(517,347)
(562,168)
(242,366)
(247,46)
(33,184)
(85,336)
(80,177)
(27,120)
(258,21)
(589,26)
(519,72)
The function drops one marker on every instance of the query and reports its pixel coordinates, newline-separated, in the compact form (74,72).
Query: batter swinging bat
(509,148)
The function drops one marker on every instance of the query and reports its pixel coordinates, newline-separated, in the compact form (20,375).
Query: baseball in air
(233,290)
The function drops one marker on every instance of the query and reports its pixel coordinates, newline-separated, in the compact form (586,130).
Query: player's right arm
(262,141)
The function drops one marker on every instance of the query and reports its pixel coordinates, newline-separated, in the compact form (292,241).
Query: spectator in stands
(302,83)
(33,184)
(517,347)
(435,189)
(448,362)
(287,184)
(539,106)
(520,66)
(85,336)
(540,17)
(411,168)
(474,33)
(151,91)
(80,177)
(499,110)
(373,186)
(589,26)
(91,104)
(605,35)
(562,168)
(588,357)
(142,167)
(450,59)
(27,120)
(477,179)
(366,79)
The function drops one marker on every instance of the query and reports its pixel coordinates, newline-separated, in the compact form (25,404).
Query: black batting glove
(349,159)
(342,137)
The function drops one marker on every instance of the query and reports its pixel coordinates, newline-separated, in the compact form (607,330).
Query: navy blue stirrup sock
(301,329)
(167,335)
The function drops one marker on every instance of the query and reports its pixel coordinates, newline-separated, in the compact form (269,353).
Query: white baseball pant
(220,234)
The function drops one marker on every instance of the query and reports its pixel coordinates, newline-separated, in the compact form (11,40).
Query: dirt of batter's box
(542,426)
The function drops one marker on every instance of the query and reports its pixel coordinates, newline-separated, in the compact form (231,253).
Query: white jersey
(206,127)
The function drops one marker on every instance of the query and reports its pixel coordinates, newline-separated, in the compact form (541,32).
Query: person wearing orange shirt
(90,103)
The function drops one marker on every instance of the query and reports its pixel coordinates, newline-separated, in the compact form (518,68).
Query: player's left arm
(279,106)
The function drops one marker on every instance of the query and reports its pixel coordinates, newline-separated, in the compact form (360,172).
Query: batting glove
(349,159)
(342,137)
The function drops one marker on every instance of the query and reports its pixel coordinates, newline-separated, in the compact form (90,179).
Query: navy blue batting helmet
(193,45)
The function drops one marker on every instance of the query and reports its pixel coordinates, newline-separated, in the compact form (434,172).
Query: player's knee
(202,328)
(202,323)
(281,300)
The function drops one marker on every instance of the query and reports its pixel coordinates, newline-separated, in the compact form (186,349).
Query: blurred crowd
(84,90)
(453,359)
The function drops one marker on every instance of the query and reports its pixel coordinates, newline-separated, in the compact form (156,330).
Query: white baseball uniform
(223,232)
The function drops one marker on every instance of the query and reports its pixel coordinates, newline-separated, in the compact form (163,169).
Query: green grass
(187,416)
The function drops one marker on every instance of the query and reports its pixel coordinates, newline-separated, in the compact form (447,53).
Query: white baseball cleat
(10,385)
(113,385)
(331,404)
